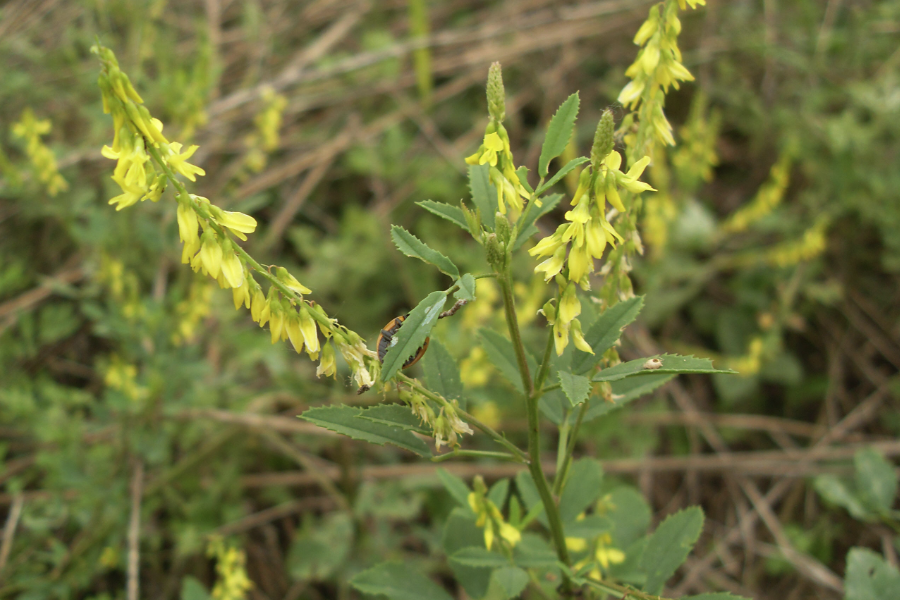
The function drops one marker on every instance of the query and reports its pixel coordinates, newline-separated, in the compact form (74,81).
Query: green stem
(476,454)
(437,398)
(534,432)
(563,471)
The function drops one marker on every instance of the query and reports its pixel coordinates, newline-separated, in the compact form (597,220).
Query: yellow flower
(294,333)
(326,363)
(232,267)
(578,337)
(308,329)
(187,222)
(291,282)
(176,160)
(553,265)
(210,254)
(238,223)
(487,153)
(569,305)
(241,295)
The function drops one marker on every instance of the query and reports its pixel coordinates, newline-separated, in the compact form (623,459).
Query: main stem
(534,433)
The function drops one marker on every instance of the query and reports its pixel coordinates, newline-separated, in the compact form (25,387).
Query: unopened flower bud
(495,253)
(496,95)
(603,139)
(501,226)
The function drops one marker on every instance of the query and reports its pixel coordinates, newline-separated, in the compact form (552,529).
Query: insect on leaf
(412,333)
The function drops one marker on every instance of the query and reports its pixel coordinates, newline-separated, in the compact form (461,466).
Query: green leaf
(534,553)
(346,420)
(672,364)
(507,583)
(412,246)
(466,290)
(634,387)
(498,493)
(669,547)
(836,492)
(460,532)
(479,556)
(562,173)
(442,374)
(454,214)
(869,577)
(558,132)
(455,486)
(582,488)
(630,515)
(605,331)
(412,333)
(192,589)
(484,195)
(398,582)
(577,388)
(527,227)
(501,353)
(395,415)
(321,547)
(589,527)
(876,480)
(522,175)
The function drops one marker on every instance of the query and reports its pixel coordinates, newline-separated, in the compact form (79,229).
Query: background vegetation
(127,381)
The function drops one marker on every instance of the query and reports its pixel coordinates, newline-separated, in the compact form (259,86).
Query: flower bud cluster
(445,424)
(30,130)
(490,518)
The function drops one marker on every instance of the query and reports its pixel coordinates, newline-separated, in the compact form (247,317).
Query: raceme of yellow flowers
(575,244)
(147,162)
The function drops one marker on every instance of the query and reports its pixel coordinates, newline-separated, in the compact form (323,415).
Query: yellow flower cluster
(232,582)
(768,197)
(657,67)
(265,139)
(602,554)
(490,518)
(30,129)
(495,152)
(575,245)
(207,232)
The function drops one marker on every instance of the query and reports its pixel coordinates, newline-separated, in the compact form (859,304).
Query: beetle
(386,340)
